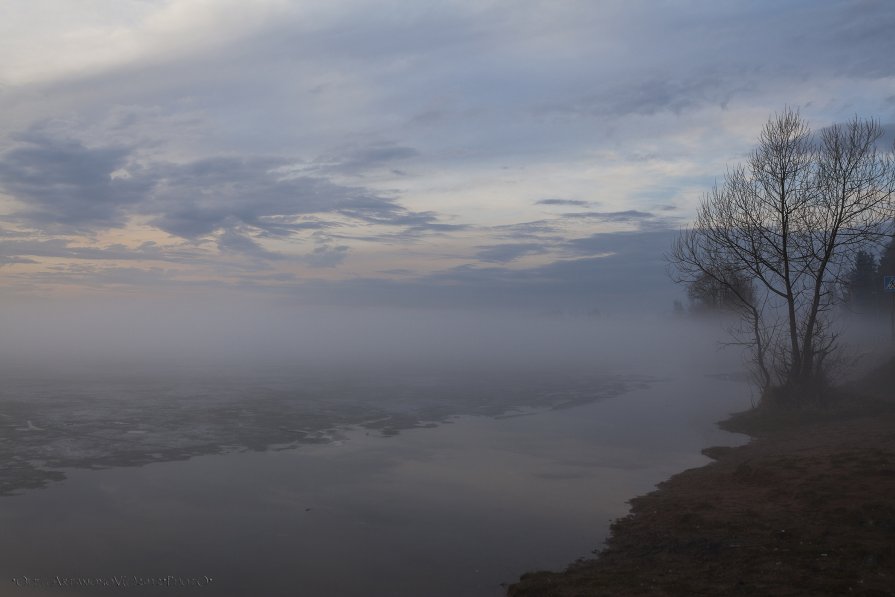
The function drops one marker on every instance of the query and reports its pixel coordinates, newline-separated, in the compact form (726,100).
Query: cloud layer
(477,152)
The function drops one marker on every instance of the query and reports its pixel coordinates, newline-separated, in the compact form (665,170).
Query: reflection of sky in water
(451,510)
(99,418)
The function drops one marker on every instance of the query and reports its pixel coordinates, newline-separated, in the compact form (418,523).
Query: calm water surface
(366,487)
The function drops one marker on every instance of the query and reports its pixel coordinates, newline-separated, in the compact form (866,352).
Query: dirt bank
(806,508)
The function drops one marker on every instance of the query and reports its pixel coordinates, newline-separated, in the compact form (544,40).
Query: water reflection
(451,510)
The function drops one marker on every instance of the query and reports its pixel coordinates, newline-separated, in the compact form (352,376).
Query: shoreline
(805,508)
(370,503)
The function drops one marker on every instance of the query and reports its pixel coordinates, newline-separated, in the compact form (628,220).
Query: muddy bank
(806,508)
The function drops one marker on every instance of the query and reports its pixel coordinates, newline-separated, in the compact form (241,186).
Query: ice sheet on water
(114,418)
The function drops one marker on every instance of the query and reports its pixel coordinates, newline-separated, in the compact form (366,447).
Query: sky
(524,154)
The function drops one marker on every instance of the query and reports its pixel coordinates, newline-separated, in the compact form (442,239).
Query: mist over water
(461,448)
(257,331)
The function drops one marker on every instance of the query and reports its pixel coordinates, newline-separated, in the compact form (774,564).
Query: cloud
(231,241)
(66,186)
(326,256)
(7,260)
(644,220)
(67,249)
(629,215)
(357,161)
(648,97)
(564,202)
(195,199)
(615,271)
(528,230)
(87,275)
(508,252)
(647,245)
(248,133)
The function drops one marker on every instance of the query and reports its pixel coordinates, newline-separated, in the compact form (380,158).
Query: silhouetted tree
(791,220)
(707,293)
(863,285)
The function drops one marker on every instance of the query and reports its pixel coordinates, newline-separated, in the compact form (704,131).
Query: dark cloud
(66,186)
(651,244)
(432,226)
(644,220)
(193,200)
(630,215)
(284,226)
(326,256)
(231,241)
(198,198)
(564,202)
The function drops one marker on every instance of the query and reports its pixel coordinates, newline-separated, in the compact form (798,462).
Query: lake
(277,480)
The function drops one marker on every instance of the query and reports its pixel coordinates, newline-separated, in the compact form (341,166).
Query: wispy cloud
(509,252)
(564,202)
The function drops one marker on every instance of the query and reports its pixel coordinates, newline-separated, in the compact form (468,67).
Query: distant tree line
(863,292)
(707,295)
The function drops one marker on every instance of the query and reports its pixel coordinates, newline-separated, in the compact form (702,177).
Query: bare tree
(791,220)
